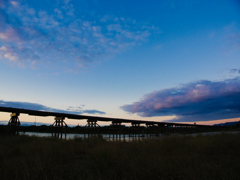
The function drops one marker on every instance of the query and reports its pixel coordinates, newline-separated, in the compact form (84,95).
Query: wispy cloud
(234,70)
(234,40)
(232,37)
(197,101)
(40,107)
(157,47)
(28,35)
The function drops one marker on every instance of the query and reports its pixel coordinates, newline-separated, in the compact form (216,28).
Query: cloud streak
(234,70)
(197,101)
(40,107)
(34,36)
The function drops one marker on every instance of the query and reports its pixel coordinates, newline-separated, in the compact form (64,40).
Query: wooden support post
(116,125)
(14,123)
(135,128)
(84,133)
(129,130)
(92,125)
(59,127)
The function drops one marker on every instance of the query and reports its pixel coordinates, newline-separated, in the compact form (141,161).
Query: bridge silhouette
(59,123)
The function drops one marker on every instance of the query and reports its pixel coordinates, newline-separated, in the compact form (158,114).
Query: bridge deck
(81,117)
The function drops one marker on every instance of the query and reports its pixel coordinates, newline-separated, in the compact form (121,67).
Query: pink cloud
(9,35)
(197,98)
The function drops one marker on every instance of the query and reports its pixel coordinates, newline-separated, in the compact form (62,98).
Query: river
(125,137)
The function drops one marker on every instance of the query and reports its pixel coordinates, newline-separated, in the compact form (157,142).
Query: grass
(201,157)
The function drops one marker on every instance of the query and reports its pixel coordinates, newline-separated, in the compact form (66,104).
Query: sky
(168,60)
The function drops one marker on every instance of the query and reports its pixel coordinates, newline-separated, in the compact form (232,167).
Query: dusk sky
(158,60)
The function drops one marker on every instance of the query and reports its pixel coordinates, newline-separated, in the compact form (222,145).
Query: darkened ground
(201,157)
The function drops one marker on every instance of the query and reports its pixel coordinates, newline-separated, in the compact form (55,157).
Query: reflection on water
(40,134)
(118,137)
(110,137)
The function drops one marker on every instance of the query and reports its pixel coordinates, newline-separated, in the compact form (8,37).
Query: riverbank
(177,157)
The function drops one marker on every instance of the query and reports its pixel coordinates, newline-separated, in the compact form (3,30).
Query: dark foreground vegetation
(201,157)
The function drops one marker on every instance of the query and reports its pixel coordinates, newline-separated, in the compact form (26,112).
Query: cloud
(234,40)
(232,37)
(93,111)
(196,101)
(157,47)
(234,70)
(106,18)
(40,107)
(59,36)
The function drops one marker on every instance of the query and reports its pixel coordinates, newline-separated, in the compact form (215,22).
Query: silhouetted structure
(59,127)
(116,130)
(14,123)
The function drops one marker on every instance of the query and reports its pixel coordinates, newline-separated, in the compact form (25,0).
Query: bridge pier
(91,126)
(153,128)
(14,123)
(117,130)
(135,131)
(92,123)
(59,128)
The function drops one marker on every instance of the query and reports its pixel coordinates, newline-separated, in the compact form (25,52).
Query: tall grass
(201,157)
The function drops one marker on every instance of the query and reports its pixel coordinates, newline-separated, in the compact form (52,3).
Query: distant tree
(238,124)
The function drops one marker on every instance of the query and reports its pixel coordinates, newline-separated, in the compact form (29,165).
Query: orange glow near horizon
(49,120)
(214,121)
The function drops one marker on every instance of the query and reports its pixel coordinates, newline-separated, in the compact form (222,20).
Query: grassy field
(201,157)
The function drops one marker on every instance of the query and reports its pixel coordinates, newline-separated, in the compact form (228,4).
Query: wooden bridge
(137,127)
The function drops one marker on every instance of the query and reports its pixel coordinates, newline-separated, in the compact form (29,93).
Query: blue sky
(126,59)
